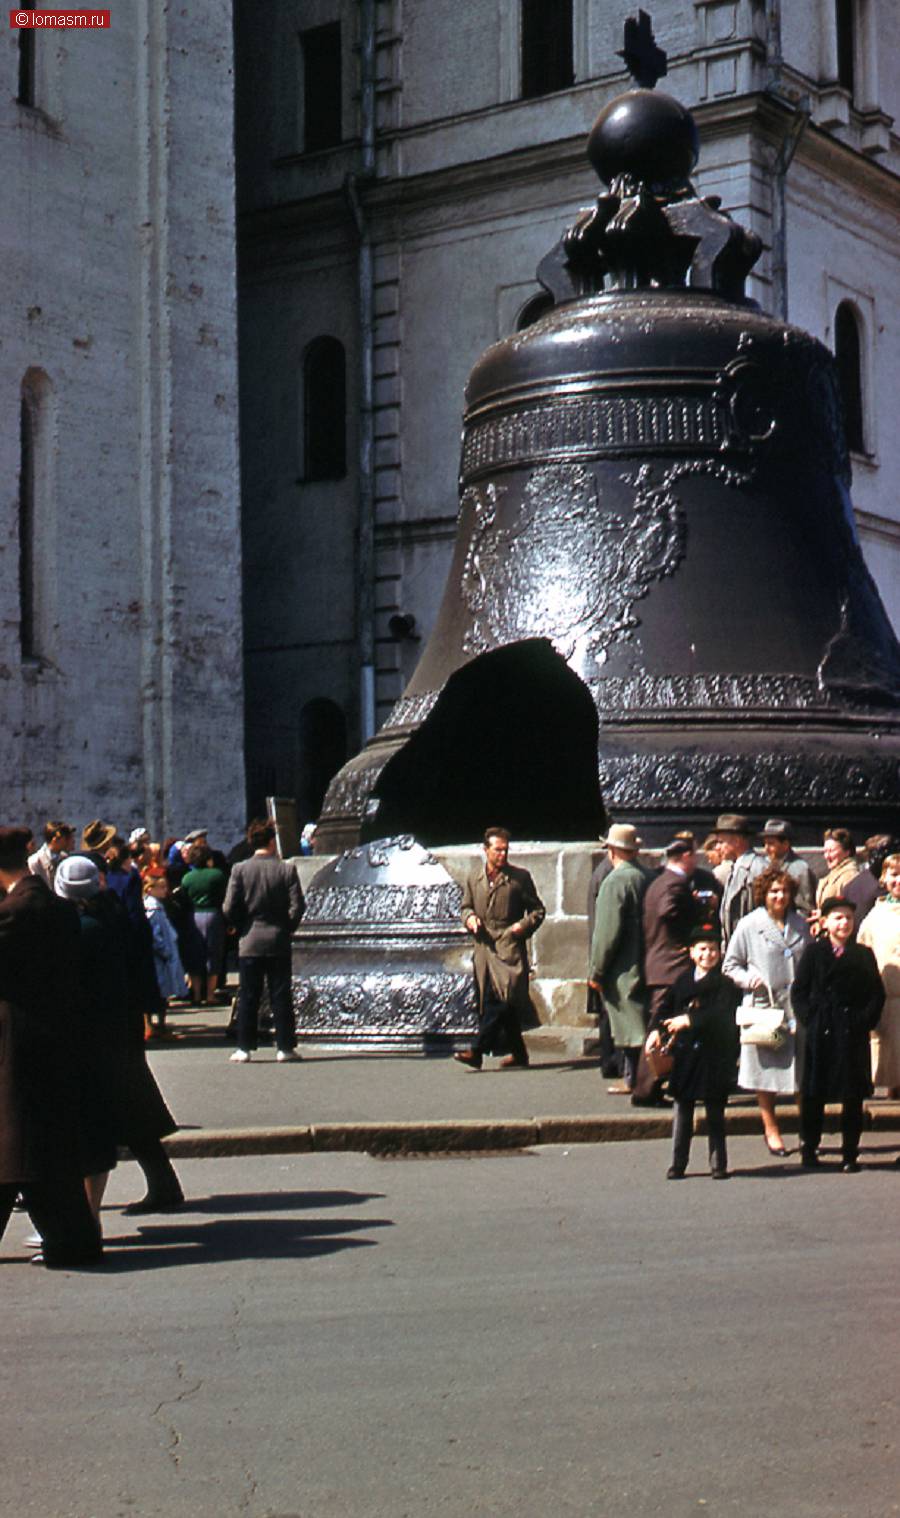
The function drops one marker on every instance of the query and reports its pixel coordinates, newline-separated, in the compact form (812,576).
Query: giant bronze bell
(657,582)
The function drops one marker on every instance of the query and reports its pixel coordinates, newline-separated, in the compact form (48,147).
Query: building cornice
(548,163)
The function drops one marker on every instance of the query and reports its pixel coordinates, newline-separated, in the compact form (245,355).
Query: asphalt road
(551,1333)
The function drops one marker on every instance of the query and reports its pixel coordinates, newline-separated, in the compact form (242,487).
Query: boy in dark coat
(837,997)
(699,1009)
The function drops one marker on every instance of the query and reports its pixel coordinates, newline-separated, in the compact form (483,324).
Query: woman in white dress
(880,932)
(762,959)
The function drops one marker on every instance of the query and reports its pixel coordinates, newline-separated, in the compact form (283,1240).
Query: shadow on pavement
(159,1247)
(269,1201)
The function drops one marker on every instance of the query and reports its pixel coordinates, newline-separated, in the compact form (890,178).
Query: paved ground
(208,1095)
(558,1332)
(205,1090)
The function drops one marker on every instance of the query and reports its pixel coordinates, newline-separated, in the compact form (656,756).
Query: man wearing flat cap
(735,833)
(777,842)
(201,835)
(671,912)
(675,903)
(617,949)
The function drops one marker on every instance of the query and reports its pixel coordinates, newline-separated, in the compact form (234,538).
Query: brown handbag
(661,1059)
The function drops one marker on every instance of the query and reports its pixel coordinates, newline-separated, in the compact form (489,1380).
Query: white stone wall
(118,285)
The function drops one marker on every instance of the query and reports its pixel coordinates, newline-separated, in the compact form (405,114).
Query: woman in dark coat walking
(124,1105)
(699,1009)
(40,1152)
(837,998)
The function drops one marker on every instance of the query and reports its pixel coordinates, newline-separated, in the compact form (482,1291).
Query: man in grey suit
(265,903)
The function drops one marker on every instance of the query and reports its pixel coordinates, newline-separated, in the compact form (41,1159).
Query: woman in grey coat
(762,958)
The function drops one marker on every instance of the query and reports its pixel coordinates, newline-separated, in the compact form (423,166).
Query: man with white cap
(617,949)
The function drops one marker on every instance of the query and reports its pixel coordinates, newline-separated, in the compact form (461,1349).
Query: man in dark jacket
(40,1140)
(671,913)
(865,888)
(672,909)
(264,903)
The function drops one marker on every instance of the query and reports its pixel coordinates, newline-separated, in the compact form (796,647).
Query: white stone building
(120,664)
(398,235)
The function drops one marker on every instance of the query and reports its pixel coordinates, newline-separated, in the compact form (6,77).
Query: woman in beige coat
(880,932)
(838,849)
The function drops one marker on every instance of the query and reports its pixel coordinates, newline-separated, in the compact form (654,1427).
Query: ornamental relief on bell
(556,565)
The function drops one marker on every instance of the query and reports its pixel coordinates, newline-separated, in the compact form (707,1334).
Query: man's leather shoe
(850,1167)
(809,1159)
(469,1058)
(674,1173)
(510,1062)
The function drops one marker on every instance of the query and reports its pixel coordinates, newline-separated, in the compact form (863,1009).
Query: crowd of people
(747,973)
(98,937)
(743,972)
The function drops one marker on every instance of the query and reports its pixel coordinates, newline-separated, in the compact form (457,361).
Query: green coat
(617,953)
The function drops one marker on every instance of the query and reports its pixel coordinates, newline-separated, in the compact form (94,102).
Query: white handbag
(762,1023)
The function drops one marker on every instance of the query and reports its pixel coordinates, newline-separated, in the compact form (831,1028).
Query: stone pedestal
(381,959)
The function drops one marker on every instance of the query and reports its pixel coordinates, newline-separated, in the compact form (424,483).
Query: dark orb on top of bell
(645,136)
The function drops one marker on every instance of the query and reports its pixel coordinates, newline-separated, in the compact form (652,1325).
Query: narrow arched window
(848,353)
(36,514)
(324,410)
(27,620)
(26,94)
(845,21)
(547,47)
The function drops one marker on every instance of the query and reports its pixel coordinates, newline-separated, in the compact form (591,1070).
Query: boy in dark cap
(699,1013)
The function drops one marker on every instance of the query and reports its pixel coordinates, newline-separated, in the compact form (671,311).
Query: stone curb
(476,1133)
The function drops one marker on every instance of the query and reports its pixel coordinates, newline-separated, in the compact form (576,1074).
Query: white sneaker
(240,1057)
(284,1056)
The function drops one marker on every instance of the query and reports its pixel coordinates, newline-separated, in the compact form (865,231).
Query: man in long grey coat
(501,909)
(735,834)
(618,947)
(265,903)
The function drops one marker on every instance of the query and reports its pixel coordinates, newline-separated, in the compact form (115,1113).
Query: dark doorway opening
(512,740)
